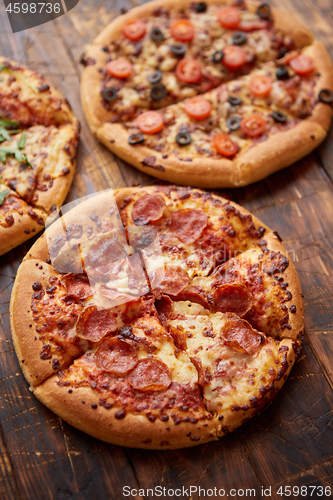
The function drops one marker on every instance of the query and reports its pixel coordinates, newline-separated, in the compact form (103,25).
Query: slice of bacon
(150,375)
(105,251)
(116,356)
(164,308)
(78,286)
(169,280)
(235,298)
(188,224)
(95,324)
(149,207)
(239,335)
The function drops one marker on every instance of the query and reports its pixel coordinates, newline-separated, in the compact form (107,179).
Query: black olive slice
(157,92)
(217,56)
(135,139)
(200,7)
(282,73)
(238,38)
(155,77)
(233,123)
(282,52)
(183,139)
(109,94)
(325,96)
(156,35)
(279,117)
(179,49)
(264,11)
(234,101)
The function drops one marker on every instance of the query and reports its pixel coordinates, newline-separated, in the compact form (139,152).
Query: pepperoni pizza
(38,144)
(165,327)
(212,94)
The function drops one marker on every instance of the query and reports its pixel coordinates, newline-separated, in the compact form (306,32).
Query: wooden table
(291,443)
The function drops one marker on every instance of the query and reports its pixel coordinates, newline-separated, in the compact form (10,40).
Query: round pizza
(157,317)
(211,94)
(38,144)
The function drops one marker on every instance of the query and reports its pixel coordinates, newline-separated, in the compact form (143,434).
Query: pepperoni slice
(240,335)
(134,29)
(253,125)
(193,294)
(233,57)
(182,30)
(78,286)
(116,356)
(169,280)
(105,251)
(94,324)
(179,337)
(235,298)
(120,68)
(149,207)
(189,71)
(150,375)
(229,17)
(260,85)
(188,224)
(302,64)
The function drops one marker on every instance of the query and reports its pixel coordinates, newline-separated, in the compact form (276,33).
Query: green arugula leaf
(19,156)
(4,133)
(19,77)
(22,141)
(3,195)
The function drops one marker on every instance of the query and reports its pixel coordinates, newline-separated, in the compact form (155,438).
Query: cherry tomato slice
(198,108)
(260,85)
(253,125)
(224,145)
(234,57)
(229,17)
(189,71)
(302,64)
(150,122)
(134,29)
(182,30)
(120,68)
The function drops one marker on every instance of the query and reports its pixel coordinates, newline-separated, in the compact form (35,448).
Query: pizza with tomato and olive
(162,317)
(38,144)
(212,94)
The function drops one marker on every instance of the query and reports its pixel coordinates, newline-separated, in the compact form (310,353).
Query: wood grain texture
(291,443)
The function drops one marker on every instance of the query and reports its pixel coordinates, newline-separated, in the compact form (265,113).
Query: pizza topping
(238,38)
(235,298)
(229,17)
(105,251)
(302,64)
(110,94)
(78,286)
(149,207)
(183,139)
(155,77)
(136,139)
(253,125)
(217,56)
(182,30)
(233,123)
(188,224)
(116,356)
(249,25)
(234,101)
(150,122)
(164,308)
(224,145)
(189,71)
(261,85)
(240,335)
(150,375)
(234,57)
(120,68)
(198,108)
(179,49)
(156,35)
(95,324)
(282,73)
(325,96)
(158,92)
(134,29)
(169,280)
(200,7)
(264,11)
(279,117)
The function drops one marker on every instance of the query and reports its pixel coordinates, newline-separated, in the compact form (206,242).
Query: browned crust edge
(14,235)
